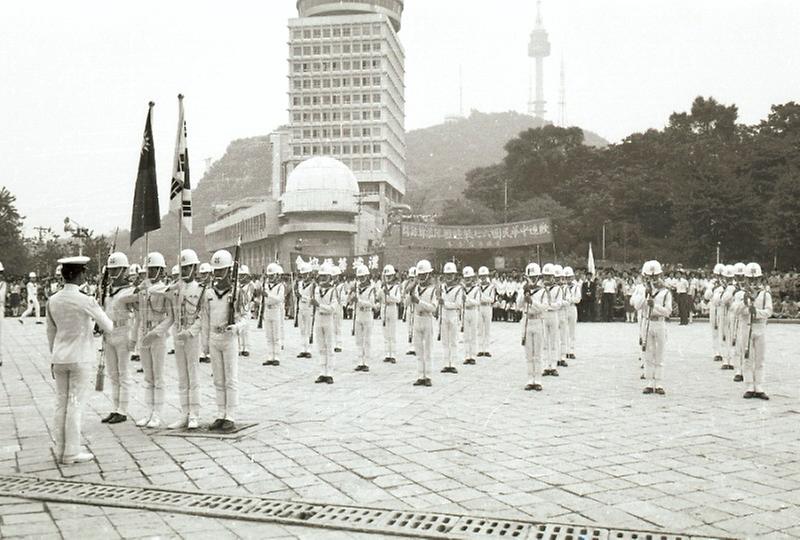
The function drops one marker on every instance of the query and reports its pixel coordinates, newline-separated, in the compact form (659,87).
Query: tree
(12,245)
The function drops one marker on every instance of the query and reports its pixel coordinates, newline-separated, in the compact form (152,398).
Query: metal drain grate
(242,429)
(569,532)
(350,518)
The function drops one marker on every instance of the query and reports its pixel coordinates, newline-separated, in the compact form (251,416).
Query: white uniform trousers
(324,334)
(572,323)
(714,316)
(423,343)
(153,358)
(729,352)
(72,382)
(410,325)
(33,308)
(390,316)
(225,369)
(754,364)
(471,316)
(562,333)
(552,345)
(304,324)
(742,331)
(244,334)
(187,357)
(338,317)
(484,327)
(450,328)
(363,334)
(118,359)
(534,340)
(273,323)
(654,355)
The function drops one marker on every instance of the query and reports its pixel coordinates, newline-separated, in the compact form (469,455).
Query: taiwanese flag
(146,216)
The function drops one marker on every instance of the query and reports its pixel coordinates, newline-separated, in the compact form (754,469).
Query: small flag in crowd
(180,195)
(590,261)
(146,216)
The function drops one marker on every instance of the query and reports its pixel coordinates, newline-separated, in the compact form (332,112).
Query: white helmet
(739,268)
(155,260)
(569,272)
(221,259)
(304,268)
(729,271)
(274,268)
(753,270)
(533,270)
(718,268)
(2,268)
(483,271)
(558,270)
(189,257)
(646,268)
(336,271)
(450,268)
(117,260)
(244,270)
(424,267)
(548,269)
(362,271)
(176,270)
(655,268)
(205,268)
(134,269)
(32,275)
(468,272)
(388,270)
(412,272)
(326,269)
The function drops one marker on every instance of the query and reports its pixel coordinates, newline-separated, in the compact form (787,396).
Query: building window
(296,150)
(337,132)
(356,47)
(297,34)
(326,49)
(376,148)
(307,51)
(326,32)
(337,31)
(297,51)
(346,31)
(296,117)
(365,132)
(376,114)
(306,34)
(317,33)
(376,81)
(346,48)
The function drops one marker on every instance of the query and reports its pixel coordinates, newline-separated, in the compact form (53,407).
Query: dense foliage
(671,194)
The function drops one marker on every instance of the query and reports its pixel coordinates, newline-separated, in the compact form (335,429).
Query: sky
(75,78)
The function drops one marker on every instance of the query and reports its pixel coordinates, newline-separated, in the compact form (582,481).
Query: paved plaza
(589,449)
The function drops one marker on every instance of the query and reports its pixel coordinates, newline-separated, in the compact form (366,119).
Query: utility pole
(505,201)
(41,231)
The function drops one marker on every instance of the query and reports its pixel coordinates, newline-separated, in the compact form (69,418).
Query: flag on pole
(146,216)
(180,194)
(590,261)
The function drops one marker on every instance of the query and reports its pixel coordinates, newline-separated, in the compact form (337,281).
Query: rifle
(525,291)
(748,300)
(296,288)
(647,324)
(313,314)
(99,382)
(234,297)
(261,306)
(385,304)
(440,313)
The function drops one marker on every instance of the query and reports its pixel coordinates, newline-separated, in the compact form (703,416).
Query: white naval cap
(78,260)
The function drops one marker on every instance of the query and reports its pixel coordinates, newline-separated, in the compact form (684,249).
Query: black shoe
(546,373)
(411,353)
(392,360)
(537,387)
(761,395)
(216,424)
(660,391)
(738,378)
(21,321)
(554,372)
(647,390)
(718,358)
(108,418)
(337,349)
(39,322)
(642,377)
(329,380)
(419,382)
(171,351)
(321,379)
(469,362)
(140,370)
(118,418)
(308,355)
(428,382)
(749,395)
(266,363)
(227,426)
(135,358)
(245,353)
(241,353)
(487,354)
(528,387)
(205,360)
(276,362)
(301,355)
(480,354)
(387,360)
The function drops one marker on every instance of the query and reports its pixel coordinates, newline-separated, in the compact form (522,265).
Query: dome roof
(320,184)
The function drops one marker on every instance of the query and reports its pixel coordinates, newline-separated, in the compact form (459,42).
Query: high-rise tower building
(538,49)
(346,93)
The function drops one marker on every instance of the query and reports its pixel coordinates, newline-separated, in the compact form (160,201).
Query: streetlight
(75,229)
(718,244)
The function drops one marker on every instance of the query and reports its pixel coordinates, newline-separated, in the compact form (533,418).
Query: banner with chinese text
(373,261)
(502,235)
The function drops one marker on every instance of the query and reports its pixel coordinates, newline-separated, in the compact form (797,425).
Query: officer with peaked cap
(656,304)
(488,296)
(273,296)
(219,340)
(71,316)
(451,299)
(425,303)
(3,292)
(759,308)
(390,297)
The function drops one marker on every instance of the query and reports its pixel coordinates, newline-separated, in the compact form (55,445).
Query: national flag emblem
(145,216)
(180,194)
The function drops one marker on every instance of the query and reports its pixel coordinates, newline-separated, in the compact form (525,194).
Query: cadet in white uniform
(153,351)
(713,295)
(727,328)
(118,344)
(33,300)
(552,334)
(248,290)
(656,303)
(325,302)
(533,304)
(390,298)
(305,287)
(364,300)
(204,278)
(273,296)
(184,299)
(563,303)
(340,295)
(451,302)
(221,320)
(573,298)
(488,297)
(639,290)
(739,319)
(470,315)
(3,291)
(70,320)
(410,307)
(759,310)
(425,302)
